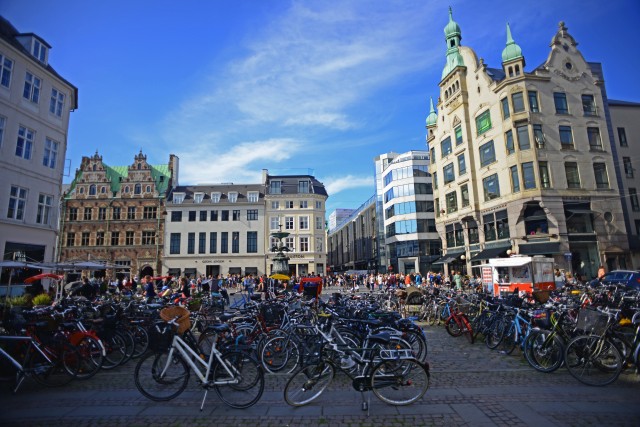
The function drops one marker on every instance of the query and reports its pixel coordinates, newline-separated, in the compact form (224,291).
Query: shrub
(42,299)
(21,301)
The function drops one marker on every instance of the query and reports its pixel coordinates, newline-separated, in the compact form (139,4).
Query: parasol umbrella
(37,277)
(14,265)
(279,277)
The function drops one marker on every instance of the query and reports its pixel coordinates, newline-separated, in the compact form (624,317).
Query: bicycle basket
(541,296)
(169,313)
(592,321)
(464,307)
(160,336)
(272,313)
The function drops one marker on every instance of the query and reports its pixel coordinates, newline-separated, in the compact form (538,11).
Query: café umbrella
(13,265)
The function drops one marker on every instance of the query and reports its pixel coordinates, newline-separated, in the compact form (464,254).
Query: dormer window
(253,196)
(178,198)
(233,197)
(215,197)
(303,187)
(275,187)
(197,197)
(39,51)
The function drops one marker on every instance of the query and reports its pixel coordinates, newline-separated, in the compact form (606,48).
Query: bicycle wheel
(453,326)
(494,334)
(116,348)
(61,368)
(160,377)
(508,341)
(400,386)
(280,354)
(308,383)
(130,344)
(468,330)
(238,366)
(544,351)
(141,339)
(91,357)
(593,361)
(431,315)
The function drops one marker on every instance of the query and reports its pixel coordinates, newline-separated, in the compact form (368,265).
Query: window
(595,142)
(44,209)
(252,214)
(304,222)
(560,101)
(515,179)
(458,133)
(115,238)
(3,122)
(628,168)
(39,50)
(633,199)
(148,237)
(304,204)
(571,171)
(462,165)
(518,102)
(448,174)
(538,136)
(235,215)
(545,177)
(434,180)
(533,101)
(491,187)
(198,197)
(56,103)
(288,223)
(176,216)
(174,243)
(92,190)
(50,154)
(304,244)
(445,147)
(528,176)
(288,204)
(275,204)
(303,187)
(508,140)
(589,105)
(566,137)
(318,223)
(215,197)
(319,244)
(505,108)
(233,197)
(235,242)
(600,172)
(224,216)
(88,214)
(224,242)
(487,154)
(100,238)
(149,212)
(496,226)
(213,215)
(274,223)
(432,155)
(137,189)
(191,243)
(178,198)
(213,242)
(318,204)
(275,187)
(24,143)
(71,239)
(483,122)
(464,195)
(31,88)
(203,215)
(73,214)
(452,202)
(252,242)
(6,65)
(622,137)
(116,213)
(436,204)
(102,214)
(523,137)
(128,238)
(202,242)
(253,196)
(131,212)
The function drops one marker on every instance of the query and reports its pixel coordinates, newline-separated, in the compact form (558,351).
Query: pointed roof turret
(453,35)
(452,28)
(432,118)
(512,50)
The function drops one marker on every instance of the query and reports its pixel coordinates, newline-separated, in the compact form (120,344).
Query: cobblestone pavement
(470,386)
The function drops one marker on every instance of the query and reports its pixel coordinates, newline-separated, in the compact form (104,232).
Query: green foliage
(42,299)
(20,301)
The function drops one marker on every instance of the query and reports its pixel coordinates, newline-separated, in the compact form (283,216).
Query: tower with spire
(512,59)
(453,37)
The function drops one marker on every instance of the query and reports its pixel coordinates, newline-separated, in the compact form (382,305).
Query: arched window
(139,166)
(148,190)
(138,188)
(92,190)
(103,189)
(94,167)
(126,188)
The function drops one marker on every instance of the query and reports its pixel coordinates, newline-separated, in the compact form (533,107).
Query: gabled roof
(290,184)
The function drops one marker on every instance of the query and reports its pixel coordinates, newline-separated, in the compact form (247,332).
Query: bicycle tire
(494,334)
(130,344)
(399,387)
(141,339)
(60,370)
(543,351)
(157,385)
(115,347)
(453,327)
(592,362)
(91,357)
(508,340)
(280,354)
(431,315)
(468,330)
(308,383)
(250,377)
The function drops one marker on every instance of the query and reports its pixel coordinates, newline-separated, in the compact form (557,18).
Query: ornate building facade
(115,214)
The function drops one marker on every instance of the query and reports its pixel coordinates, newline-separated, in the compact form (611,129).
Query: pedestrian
(185,289)
(601,272)
(149,288)
(457,280)
(559,279)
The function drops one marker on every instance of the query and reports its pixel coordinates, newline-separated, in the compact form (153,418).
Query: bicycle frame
(33,345)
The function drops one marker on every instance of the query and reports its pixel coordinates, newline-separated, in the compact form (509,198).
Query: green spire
(512,50)
(432,118)
(453,36)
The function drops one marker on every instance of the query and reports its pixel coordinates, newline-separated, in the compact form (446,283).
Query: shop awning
(490,253)
(190,272)
(539,248)
(582,211)
(446,259)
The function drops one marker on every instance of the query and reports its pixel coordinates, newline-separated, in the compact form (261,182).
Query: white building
(338,216)
(35,105)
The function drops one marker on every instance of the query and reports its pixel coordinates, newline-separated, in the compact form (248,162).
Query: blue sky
(234,87)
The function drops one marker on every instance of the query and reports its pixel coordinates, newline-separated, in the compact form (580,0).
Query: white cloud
(336,185)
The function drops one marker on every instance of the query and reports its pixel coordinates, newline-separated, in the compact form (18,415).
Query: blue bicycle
(515,331)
